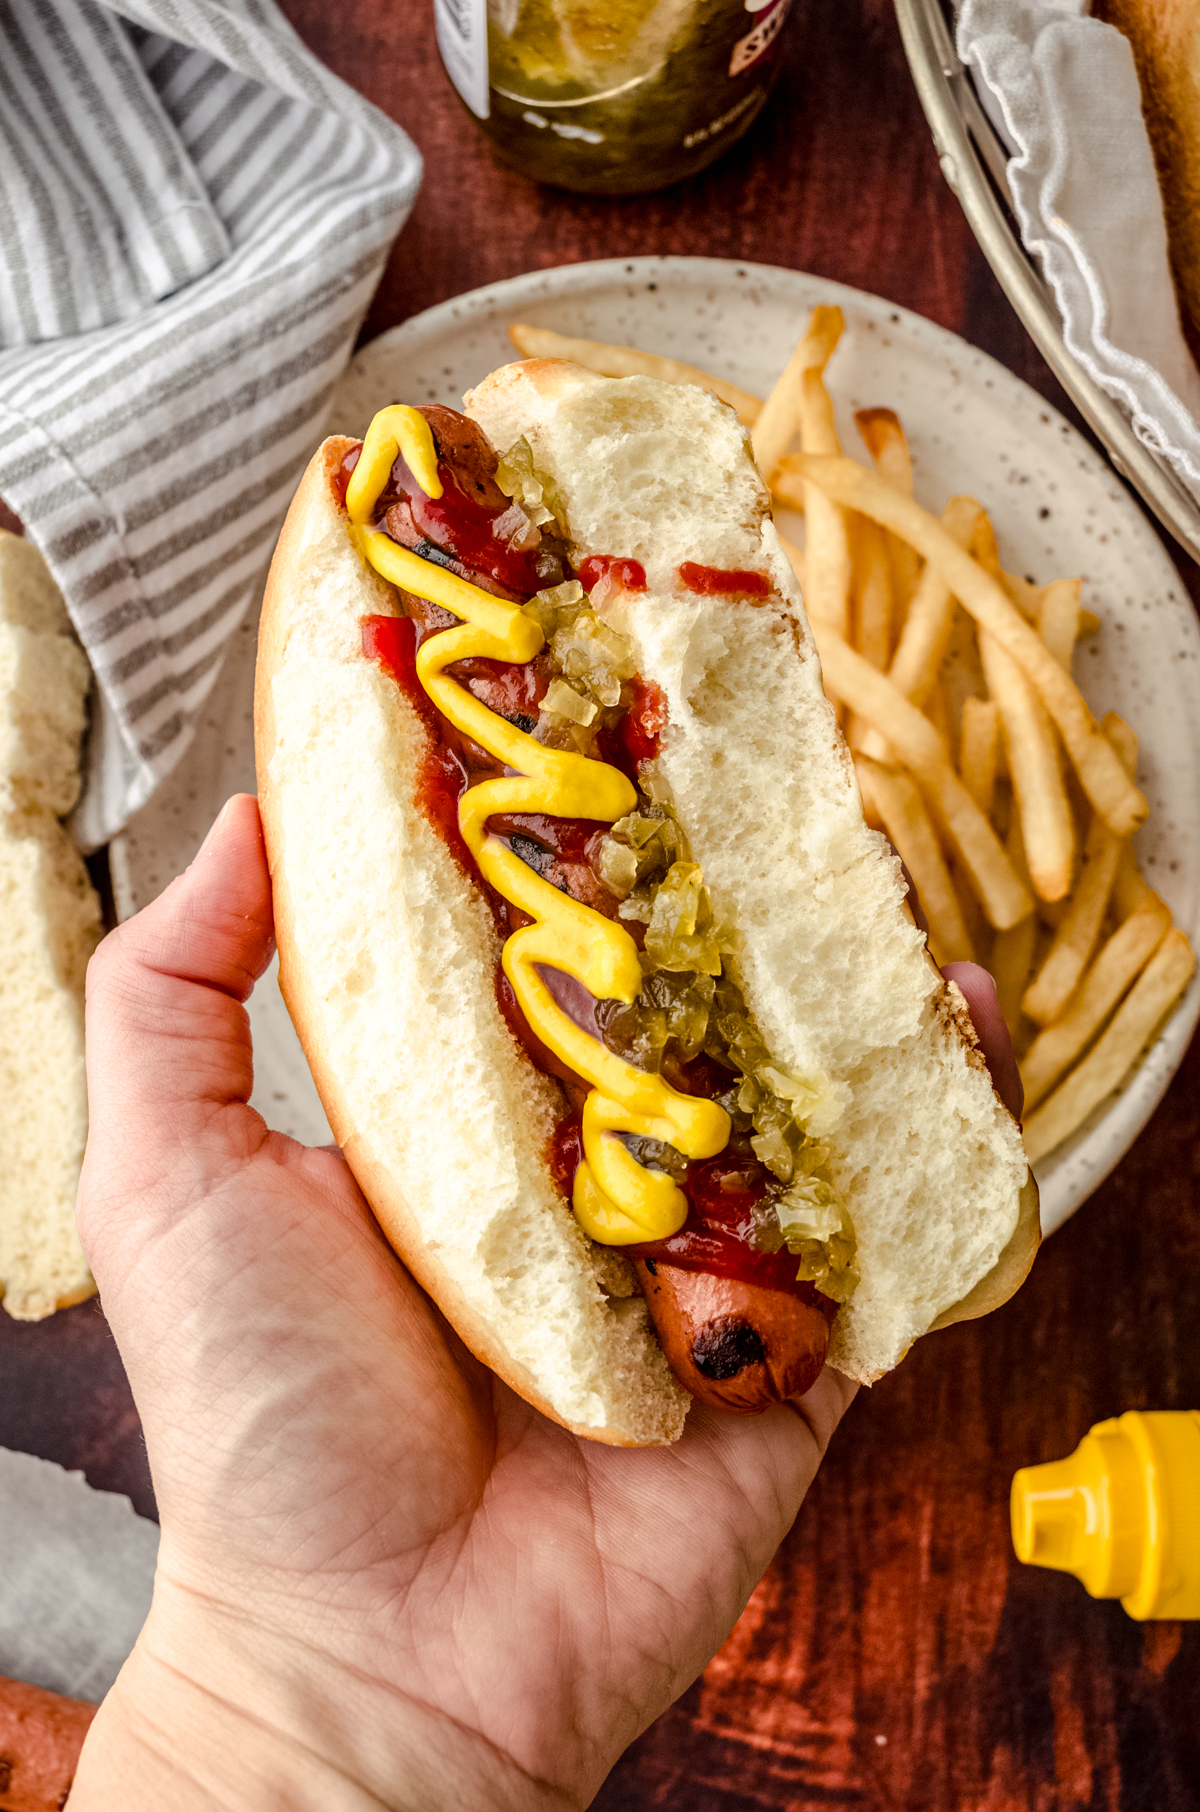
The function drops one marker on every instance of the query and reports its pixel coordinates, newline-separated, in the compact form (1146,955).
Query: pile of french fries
(1011,808)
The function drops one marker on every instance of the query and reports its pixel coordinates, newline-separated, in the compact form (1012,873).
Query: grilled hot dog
(734,1344)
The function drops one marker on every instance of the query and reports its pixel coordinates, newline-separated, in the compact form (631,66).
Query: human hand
(979,992)
(384,1580)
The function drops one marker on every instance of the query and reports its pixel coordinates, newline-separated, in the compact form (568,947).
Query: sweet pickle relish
(614,99)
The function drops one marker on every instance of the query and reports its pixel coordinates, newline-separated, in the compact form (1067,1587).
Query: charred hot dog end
(734,1344)
(741,1329)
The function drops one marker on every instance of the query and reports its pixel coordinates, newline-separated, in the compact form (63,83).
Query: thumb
(168,1038)
(979,992)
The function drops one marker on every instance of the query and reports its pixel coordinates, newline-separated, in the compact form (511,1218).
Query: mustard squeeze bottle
(1122,1512)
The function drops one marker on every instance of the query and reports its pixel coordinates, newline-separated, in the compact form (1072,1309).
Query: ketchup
(393,642)
(444,774)
(718,1236)
(714,581)
(345,472)
(566,1153)
(630,575)
(719,1233)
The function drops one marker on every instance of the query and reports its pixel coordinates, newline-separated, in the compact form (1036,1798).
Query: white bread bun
(51,917)
(387,952)
(1164,36)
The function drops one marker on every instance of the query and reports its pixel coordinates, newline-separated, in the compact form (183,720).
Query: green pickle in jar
(612,99)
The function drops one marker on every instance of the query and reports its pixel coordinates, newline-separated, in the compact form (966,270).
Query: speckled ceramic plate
(974,427)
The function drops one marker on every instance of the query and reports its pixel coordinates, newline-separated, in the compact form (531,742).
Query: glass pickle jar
(612,98)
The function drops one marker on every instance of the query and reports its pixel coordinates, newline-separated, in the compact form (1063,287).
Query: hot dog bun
(388,953)
(1164,36)
(52,924)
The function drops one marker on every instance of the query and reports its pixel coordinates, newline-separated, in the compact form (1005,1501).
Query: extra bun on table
(52,923)
(389,946)
(1164,36)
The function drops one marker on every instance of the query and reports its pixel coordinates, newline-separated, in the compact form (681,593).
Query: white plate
(973,427)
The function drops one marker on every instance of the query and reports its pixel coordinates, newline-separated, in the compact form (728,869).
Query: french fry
(827,572)
(1136,1020)
(1028,599)
(1023,593)
(982,545)
(975,919)
(854,682)
(923,642)
(872,586)
(887,444)
(1051,913)
(1012,959)
(1046,822)
(1031,751)
(826,532)
(926,629)
(1058,619)
(818,427)
(1117,965)
(1012,950)
(1079,932)
(893,798)
(1108,787)
(627,361)
(937,710)
(978,748)
(1123,738)
(1130,887)
(776,426)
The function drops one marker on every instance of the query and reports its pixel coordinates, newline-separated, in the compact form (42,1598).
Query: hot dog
(518,668)
(41,1735)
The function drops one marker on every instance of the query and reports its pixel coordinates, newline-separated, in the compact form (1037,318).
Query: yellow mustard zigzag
(618,1201)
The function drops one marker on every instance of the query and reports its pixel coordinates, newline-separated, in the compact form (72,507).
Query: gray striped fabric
(193,217)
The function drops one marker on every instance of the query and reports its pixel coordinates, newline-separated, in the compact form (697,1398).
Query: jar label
(758,41)
(463,41)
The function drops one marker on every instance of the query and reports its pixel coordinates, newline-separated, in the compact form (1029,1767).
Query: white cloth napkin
(1065,91)
(76,1576)
(194,214)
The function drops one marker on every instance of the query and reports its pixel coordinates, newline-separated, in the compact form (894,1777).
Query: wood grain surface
(896,1655)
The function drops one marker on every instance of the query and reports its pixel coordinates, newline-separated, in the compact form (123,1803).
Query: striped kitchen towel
(193,217)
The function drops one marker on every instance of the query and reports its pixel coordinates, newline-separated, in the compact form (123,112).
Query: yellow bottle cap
(1122,1513)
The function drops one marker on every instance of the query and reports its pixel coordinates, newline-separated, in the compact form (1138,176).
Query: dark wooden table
(896,1655)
